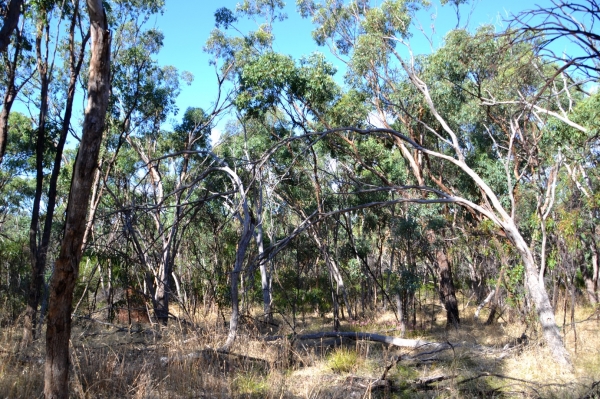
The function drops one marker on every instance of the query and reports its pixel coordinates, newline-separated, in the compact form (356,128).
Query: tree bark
(447,291)
(245,218)
(67,264)
(11,20)
(265,277)
(37,267)
(9,96)
(591,276)
(539,297)
(42,249)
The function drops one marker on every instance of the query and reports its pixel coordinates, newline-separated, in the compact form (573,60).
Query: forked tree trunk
(66,269)
(245,238)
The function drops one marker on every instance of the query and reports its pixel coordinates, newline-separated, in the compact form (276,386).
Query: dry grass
(107,363)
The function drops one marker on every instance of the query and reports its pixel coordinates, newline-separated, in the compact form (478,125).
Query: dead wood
(424,383)
(593,392)
(399,342)
(371,384)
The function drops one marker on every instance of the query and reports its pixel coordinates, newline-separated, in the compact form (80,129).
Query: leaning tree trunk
(539,297)
(67,264)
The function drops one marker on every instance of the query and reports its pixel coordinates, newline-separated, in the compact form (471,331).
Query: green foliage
(343,360)
(14,264)
(224,17)
(264,81)
(251,385)
(513,282)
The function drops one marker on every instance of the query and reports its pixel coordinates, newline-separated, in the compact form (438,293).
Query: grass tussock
(507,359)
(343,360)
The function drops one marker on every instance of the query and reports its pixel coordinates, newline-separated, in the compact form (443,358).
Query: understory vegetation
(403,214)
(180,361)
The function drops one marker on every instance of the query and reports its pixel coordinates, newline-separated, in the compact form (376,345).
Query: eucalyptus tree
(75,42)
(447,123)
(170,186)
(573,21)
(246,141)
(10,20)
(17,72)
(16,191)
(58,332)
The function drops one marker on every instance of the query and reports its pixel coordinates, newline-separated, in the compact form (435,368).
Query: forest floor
(506,359)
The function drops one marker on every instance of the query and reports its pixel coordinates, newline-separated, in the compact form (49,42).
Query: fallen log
(394,341)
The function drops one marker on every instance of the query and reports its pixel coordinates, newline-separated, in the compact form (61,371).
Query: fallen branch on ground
(400,342)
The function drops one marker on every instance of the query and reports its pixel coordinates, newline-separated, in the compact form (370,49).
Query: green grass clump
(343,360)
(251,385)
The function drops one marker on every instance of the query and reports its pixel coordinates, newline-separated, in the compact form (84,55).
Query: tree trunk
(247,232)
(590,277)
(447,290)
(9,97)
(483,303)
(494,306)
(539,297)
(11,20)
(67,264)
(265,277)
(38,264)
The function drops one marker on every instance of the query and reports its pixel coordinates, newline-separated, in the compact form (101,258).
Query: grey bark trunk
(539,297)
(265,277)
(246,236)
(483,303)
(591,276)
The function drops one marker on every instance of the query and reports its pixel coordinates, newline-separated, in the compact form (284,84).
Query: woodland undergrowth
(507,359)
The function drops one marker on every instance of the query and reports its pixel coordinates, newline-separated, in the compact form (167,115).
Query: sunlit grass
(111,363)
(343,360)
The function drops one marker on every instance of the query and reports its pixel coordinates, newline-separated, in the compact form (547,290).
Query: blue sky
(187,25)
